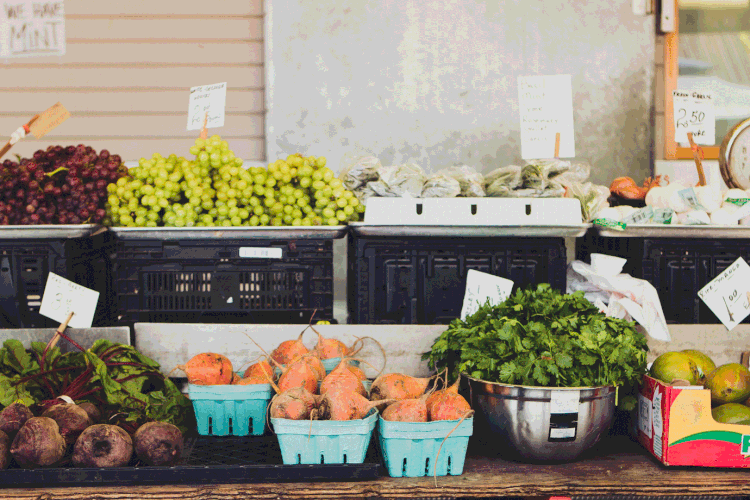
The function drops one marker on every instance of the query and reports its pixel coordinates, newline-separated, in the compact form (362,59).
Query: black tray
(254,459)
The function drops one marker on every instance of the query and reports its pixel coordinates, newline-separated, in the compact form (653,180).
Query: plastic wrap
(470,181)
(359,170)
(593,198)
(536,179)
(399,180)
(441,186)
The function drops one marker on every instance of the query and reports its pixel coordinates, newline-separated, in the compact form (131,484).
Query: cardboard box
(676,426)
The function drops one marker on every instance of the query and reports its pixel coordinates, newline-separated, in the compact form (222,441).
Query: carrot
(397,386)
(407,410)
(448,406)
(289,350)
(341,378)
(262,366)
(344,405)
(208,368)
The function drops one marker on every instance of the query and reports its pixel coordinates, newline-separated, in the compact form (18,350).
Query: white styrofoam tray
(473,211)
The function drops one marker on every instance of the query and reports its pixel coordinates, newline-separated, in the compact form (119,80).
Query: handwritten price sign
(209,99)
(61,297)
(728,295)
(694,112)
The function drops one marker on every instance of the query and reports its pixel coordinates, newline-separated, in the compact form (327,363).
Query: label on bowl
(564,401)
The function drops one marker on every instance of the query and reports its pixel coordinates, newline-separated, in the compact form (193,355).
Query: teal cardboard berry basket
(410,449)
(230,410)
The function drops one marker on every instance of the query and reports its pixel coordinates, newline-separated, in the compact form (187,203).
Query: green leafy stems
(541,337)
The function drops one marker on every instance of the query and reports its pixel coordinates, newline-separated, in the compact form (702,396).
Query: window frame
(672,150)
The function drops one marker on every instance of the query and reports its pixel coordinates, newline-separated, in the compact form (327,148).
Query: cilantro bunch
(541,337)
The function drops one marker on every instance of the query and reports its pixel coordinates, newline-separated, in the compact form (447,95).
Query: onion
(657,197)
(708,197)
(722,218)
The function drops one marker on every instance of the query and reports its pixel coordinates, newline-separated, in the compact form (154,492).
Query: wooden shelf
(618,467)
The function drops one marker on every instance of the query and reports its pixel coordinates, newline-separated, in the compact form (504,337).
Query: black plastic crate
(421,280)
(677,267)
(209,281)
(25,264)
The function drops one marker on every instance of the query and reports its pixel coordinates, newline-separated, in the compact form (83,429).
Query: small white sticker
(645,415)
(260,253)
(658,423)
(562,433)
(565,401)
(482,286)
(209,99)
(61,297)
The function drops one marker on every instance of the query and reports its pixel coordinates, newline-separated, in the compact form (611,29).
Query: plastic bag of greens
(441,186)
(359,170)
(501,181)
(593,198)
(471,181)
(399,180)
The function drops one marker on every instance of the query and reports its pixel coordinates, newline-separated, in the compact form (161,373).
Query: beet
(38,443)
(103,445)
(158,443)
(4,450)
(71,418)
(13,417)
(93,412)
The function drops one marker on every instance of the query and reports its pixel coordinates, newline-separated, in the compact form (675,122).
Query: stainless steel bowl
(524,417)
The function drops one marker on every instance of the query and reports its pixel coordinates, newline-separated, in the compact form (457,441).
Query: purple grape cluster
(62,185)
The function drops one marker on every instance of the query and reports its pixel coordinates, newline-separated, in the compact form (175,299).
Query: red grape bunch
(62,185)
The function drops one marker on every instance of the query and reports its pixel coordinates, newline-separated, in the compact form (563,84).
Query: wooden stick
(697,157)
(204,130)
(557,145)
(8,145)
(56,338)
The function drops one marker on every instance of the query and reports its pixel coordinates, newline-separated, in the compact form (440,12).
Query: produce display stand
(217,274)
(677,260)
(617,468)
(29,253)
(412,274)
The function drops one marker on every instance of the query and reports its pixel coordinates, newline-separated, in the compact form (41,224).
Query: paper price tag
(565,401)
(48,120)
(32,28)
(482,286)
(546,108)
(61,297)
(694,112)
(727,294)
(209,99)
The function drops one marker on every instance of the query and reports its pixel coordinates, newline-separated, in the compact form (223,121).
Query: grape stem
(58,169)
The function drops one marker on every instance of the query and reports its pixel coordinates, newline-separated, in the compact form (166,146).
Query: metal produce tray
(568,231)
(264,232)
(50,231)
(677,231)
(205,460)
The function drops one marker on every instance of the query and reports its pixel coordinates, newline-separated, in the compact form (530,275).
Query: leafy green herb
(540,337)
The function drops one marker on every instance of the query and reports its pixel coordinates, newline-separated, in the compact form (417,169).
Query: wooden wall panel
(127,73)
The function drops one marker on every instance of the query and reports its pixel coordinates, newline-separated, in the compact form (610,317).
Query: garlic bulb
(729,208)
(708,197)
(735,193)
(610,214)
(657,197)
(722,218)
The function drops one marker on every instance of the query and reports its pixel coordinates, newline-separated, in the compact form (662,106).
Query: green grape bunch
(214,189)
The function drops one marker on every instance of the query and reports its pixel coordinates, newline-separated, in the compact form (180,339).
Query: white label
(658,423)
(690,198)
(260,253)
(32,28)
(564,401)
(482,286)
(562,433)
(727,294)
(61,297)
(645,415)
(640,216)
(209,99)
(694,112)
(546,108)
